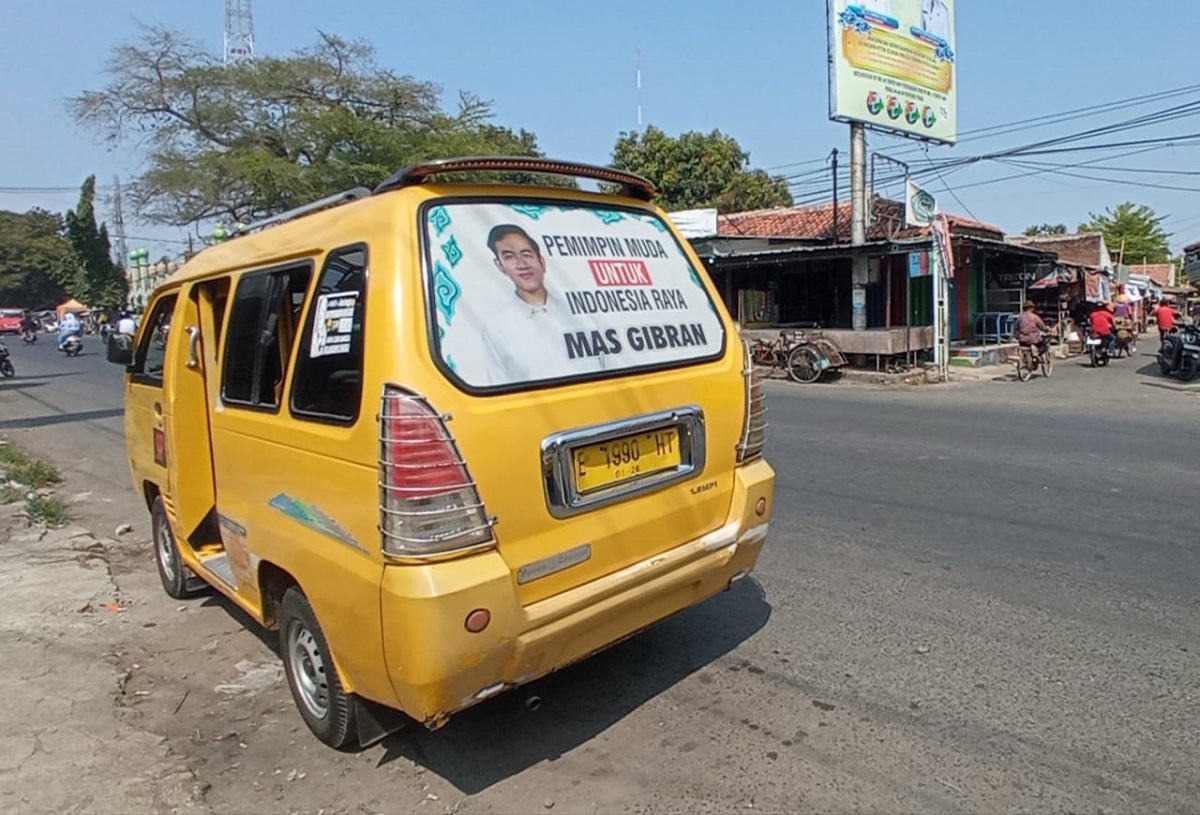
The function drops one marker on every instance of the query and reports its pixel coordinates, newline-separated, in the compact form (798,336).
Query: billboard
(892,66)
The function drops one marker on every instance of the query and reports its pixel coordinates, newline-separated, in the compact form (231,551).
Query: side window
(329,367)
(152,351)
(261,334)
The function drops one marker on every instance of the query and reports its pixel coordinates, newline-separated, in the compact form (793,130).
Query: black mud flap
(375,721)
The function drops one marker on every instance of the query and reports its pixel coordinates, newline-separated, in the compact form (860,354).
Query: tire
(6,368)
(1047,364)
(171,570)
(1188,370)
(1102,359)
(1024,371)
(802,365)
(1164,368)
(316,688)
(1094,356)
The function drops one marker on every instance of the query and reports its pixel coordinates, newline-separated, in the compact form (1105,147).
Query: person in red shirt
(1165,316)
(1102,324)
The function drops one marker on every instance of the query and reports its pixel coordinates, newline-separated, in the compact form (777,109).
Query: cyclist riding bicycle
(1032,332)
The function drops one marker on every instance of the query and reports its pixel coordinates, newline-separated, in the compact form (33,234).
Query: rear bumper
(437,667)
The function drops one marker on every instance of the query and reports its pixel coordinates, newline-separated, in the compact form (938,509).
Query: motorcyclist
(69,327)
(126,324)
(1032,331)
(1102,325)
(28,325)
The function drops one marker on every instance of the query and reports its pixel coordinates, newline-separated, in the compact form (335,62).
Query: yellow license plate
(613,462)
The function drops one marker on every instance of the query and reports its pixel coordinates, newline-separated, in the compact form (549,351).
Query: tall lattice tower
(239,31)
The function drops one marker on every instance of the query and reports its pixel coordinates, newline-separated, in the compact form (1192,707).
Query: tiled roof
(1080,248)
(816,222)
(1162,274)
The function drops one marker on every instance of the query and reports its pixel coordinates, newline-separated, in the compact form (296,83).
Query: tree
(1133,232)
(97,281)
(33,256)
(699,170)
(1046,229)
(244,141)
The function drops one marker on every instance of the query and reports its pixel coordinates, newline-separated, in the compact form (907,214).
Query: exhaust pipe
(533,703)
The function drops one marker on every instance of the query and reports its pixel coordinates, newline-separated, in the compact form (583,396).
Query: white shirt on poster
(525,342)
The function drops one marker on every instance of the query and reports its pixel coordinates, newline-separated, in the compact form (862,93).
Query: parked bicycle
(802,356)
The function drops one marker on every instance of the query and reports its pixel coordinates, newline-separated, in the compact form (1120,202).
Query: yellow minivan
(447,437)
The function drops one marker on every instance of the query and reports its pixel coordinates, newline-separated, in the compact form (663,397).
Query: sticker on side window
(529,292)
(333,324)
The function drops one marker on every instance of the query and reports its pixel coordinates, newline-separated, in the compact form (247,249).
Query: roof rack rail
(315,206)
(635,186)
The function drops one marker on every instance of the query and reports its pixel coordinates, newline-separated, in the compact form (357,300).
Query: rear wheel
(323,704)
(804,364)
(1164,367)
(6,368)
(1024,365)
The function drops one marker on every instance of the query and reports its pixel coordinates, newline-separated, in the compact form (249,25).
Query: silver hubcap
(166,551)
(308,669)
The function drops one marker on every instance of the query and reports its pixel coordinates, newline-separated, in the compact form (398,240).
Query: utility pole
(639,90)
(239,32)
(858,225)
(836,226)
(121,249)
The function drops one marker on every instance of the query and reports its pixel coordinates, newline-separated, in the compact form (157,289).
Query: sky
(755,69)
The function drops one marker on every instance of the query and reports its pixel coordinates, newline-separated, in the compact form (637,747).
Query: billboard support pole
(858,224)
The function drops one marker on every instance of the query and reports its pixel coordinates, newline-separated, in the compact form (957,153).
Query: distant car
(10,320)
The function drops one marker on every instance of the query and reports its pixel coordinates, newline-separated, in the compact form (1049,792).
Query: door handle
(193,340)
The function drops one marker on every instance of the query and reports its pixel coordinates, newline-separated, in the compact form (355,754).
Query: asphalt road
(975,597)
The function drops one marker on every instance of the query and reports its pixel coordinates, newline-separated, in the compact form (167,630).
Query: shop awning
(1050,281)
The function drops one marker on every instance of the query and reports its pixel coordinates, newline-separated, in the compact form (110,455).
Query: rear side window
(525,292)
(327,385)
(263,323)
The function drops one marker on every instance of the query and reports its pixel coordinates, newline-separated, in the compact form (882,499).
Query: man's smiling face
(524,265)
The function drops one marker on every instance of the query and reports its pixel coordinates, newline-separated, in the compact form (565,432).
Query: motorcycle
(6,366)
(72,346)
(1097,349)
(29,336)
(1179,354)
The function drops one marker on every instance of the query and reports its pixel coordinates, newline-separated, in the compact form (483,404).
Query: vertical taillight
(754,425)
(428,502)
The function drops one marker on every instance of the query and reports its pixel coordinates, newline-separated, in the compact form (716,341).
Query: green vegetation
(699,170)
(239,142)
(1132,232)
(25,469)
(31,473)
(48,509)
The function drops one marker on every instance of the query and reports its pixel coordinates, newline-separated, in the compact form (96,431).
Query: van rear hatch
(603,401)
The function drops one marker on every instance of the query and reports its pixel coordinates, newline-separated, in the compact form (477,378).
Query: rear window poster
(527,292)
